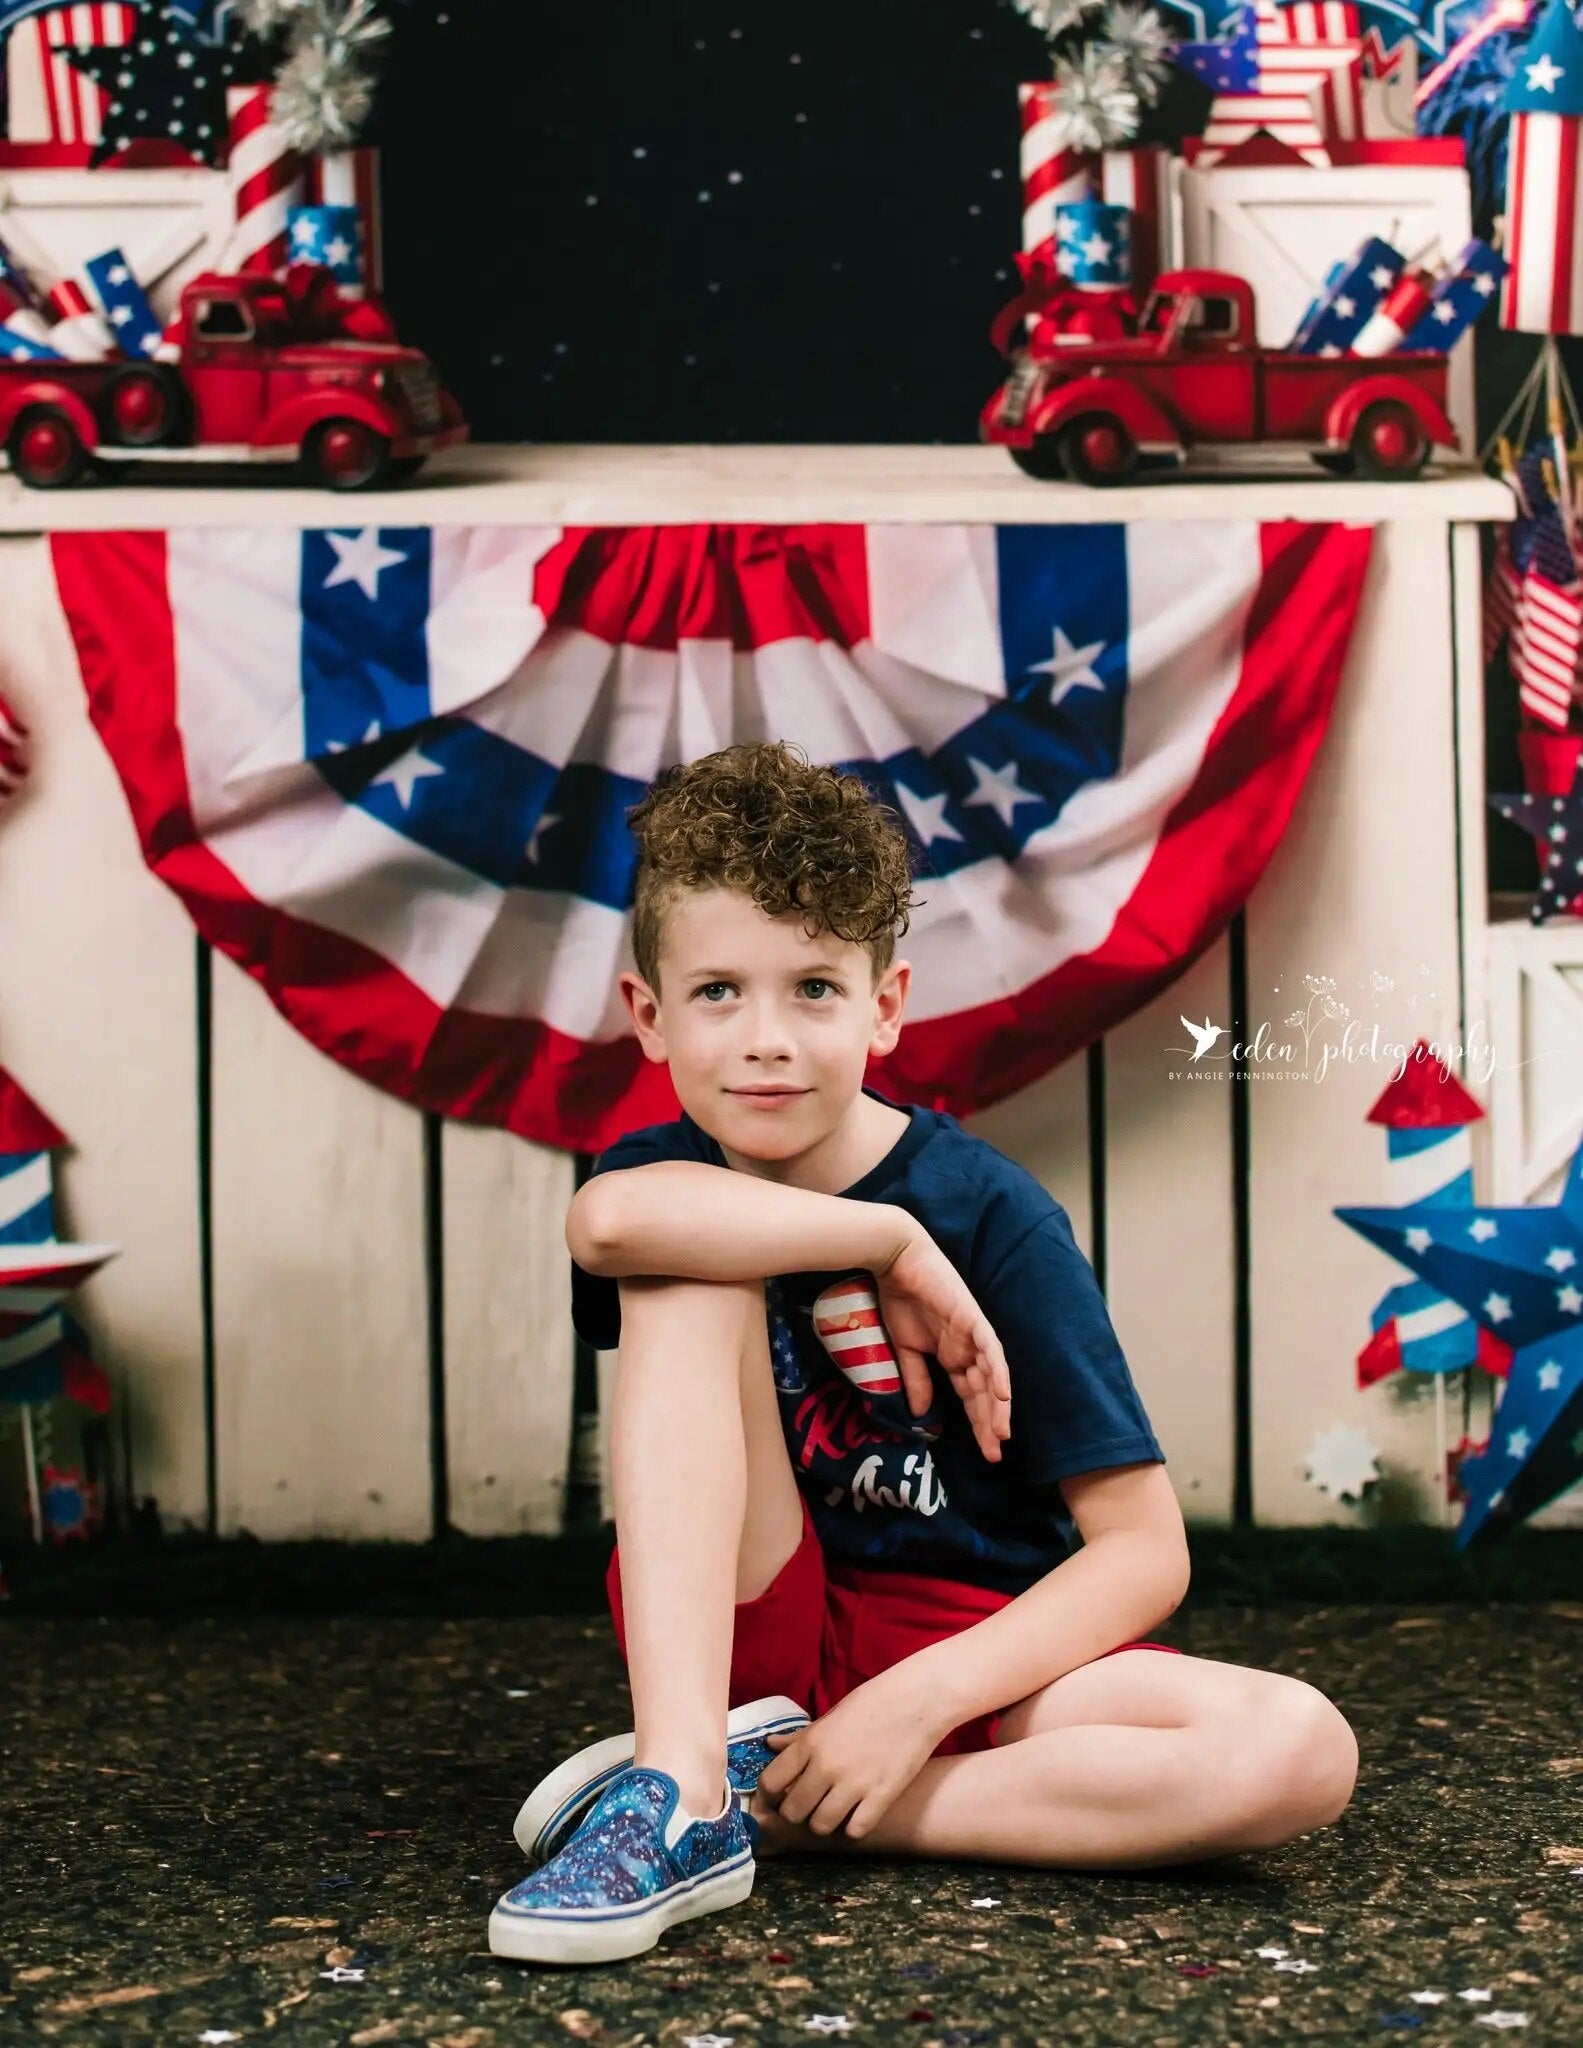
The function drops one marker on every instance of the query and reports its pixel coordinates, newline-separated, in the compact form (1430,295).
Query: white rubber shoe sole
(580,1780)
(608,1934)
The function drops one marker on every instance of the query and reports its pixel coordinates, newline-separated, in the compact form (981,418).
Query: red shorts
(820,1630)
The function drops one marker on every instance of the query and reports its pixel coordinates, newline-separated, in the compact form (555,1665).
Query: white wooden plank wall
(321,1240)
(321,1343)
(1358,885)
(97,1022)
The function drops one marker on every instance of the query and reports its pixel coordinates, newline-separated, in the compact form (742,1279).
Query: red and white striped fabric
(1052,174)
(47,100)
(267,178)
(1309,89)
(13,751)
(1543,292)
(846,1320)
(1547,642)
(388,770)
(1136,179)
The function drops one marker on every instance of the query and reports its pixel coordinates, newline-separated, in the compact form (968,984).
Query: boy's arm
(692,1221)
(1131,1573)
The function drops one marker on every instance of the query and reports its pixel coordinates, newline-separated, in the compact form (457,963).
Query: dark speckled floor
(204,1818)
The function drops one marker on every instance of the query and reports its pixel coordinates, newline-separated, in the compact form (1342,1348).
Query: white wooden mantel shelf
(583,485)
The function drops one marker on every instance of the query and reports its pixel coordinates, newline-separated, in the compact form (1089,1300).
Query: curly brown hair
(759,819)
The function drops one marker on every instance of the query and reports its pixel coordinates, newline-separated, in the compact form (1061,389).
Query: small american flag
(48,100)
(1500,596)
(1547,631)
(13,751)
(1294,72)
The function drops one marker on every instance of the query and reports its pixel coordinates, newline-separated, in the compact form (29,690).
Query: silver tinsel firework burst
(1053,18)
(1139,38)
(324,91)
(1095,105)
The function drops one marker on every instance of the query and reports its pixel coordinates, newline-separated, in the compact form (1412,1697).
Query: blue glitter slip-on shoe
(550,1813)
(638,1864)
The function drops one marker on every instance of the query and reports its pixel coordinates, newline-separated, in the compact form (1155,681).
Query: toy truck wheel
(344,455)
(145,406)
(46,450)
(1389,442)
(1042,460)
(1097,449)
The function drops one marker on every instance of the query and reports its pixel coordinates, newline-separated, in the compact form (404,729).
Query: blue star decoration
(1518,1272)
(1556,823)
(166,83)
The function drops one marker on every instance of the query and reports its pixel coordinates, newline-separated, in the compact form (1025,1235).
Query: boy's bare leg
(707,1509)
(1105,1797)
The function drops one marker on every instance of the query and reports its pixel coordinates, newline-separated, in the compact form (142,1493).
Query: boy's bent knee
(710,1311)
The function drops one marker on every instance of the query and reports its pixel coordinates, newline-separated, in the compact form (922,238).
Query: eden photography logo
(1326,1032)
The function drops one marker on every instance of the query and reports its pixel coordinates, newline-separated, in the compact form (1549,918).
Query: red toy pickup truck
(1194,373)
(265,370)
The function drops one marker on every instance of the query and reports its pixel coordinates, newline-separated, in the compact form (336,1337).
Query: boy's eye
(813,981)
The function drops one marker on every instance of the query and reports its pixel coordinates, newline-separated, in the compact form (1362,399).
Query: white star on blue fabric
(999,787)
(1543,76)
(1070,668)
(926,814)
(1500,1265)
(541,826)
(404,775)
(360,559)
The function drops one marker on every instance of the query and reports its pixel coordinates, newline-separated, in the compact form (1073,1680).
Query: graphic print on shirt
(852,1430)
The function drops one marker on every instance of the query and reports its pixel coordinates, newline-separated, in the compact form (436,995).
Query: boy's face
(750,1003)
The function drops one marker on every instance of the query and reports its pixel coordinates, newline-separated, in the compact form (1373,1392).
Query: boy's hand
(854,1761)
(926,1305)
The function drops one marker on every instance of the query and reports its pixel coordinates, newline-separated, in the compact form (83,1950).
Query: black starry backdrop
(710,222)
(706,222)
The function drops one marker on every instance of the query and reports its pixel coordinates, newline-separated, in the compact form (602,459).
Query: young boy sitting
(892,1524)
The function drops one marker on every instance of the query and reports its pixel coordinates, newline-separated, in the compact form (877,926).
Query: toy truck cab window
(223,320)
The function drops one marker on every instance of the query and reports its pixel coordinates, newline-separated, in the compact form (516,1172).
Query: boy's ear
(644,1010)
(890,1000)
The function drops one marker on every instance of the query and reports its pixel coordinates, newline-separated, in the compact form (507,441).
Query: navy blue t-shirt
(891,1491)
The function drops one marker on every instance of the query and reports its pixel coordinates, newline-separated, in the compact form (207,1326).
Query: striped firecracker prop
(1544,181)
(13,752)
(267,179)
(350,177)
(47,100)
(78,332)
(1052,174)
(1139,179)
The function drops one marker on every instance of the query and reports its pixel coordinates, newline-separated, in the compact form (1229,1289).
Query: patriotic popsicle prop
(1544,181)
